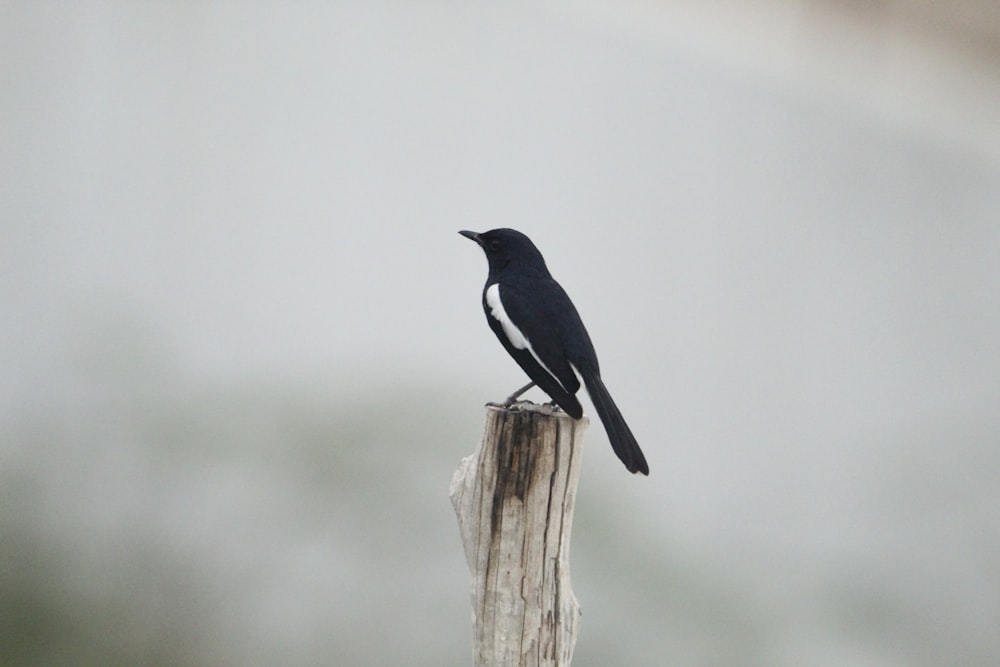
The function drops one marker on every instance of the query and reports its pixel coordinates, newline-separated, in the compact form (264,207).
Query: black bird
(538,325)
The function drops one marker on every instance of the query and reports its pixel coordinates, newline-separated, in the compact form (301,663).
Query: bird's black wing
(527,318)
(547,317)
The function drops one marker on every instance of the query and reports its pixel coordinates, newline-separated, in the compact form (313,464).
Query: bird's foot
(512,399)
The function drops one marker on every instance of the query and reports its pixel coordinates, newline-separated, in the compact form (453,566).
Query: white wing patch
(514,335)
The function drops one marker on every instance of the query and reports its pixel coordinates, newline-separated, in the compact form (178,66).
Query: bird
(538,325)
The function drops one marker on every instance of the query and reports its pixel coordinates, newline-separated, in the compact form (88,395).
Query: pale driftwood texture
(514,499)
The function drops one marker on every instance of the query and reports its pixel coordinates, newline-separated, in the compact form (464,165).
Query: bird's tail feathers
(620,435)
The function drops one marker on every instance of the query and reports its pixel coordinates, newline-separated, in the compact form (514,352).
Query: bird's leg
(517,394)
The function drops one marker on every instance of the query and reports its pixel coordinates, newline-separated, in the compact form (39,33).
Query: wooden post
(514,499)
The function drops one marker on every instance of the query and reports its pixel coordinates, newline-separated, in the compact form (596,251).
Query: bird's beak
(471,235)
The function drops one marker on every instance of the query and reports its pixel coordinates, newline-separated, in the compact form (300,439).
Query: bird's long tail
(620,435)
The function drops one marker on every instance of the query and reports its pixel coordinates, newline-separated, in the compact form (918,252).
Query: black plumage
(540,328)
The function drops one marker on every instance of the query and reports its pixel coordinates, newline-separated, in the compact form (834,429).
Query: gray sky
(782,236)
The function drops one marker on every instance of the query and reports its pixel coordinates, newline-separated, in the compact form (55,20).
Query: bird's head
(509,249)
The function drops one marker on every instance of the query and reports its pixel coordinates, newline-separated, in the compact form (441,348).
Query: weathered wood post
(514,499)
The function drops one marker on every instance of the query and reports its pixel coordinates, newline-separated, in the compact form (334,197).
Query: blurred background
(243,350)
